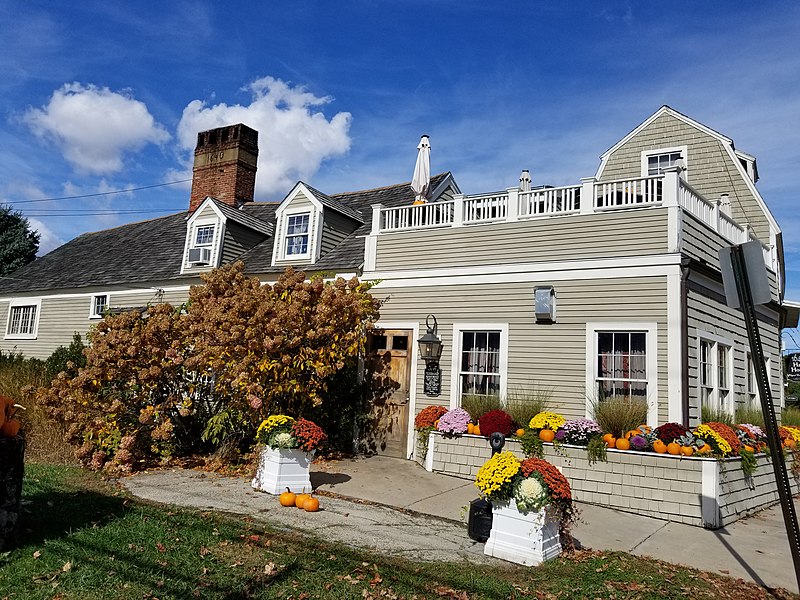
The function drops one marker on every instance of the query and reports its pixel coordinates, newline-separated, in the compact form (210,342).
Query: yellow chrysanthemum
(497,472)
(272,422)
(704,431)
(795,431)
(547,420)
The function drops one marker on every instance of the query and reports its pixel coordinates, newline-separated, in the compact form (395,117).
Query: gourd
(547,435)
(687,450)
(470,428)
(520,432)
(623,444)
(311,504)
(287,498)
(476,430)
(674,448)
(300,500)
(659,446)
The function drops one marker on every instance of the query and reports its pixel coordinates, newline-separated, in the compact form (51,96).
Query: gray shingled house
(608,286)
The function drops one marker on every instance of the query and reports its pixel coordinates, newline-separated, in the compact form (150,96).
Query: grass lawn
(84,539)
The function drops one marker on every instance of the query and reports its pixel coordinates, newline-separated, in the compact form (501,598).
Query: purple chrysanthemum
(561,435)
(579,431)
(454,421)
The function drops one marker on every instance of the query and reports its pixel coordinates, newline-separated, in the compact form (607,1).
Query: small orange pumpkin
(789,443)
(10,428)
(608,437)
(300,500)
(674,448)
(611,441)
(287,498)
(476,430)
(470,428)
(704,449)
(687,450)
(659,446)
(623,444)
(749,448)
(311,504)
(547,435)
(520,432)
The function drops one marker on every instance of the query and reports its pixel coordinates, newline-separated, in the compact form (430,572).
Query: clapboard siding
(237,241)
(625,233)
(707,312)
(335,228)
(62,317)
(548,355)
(710,169)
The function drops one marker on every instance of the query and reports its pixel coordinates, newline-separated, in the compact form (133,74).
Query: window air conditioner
(199,256)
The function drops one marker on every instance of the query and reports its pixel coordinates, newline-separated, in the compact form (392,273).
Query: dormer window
(297,234)
(204,236)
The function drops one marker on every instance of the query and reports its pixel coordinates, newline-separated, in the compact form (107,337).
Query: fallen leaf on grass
(67,567)
(37,554)
(161,547)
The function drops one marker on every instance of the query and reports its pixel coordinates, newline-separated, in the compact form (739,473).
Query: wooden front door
(388,368)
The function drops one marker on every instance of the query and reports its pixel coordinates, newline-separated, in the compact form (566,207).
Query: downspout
(685,340)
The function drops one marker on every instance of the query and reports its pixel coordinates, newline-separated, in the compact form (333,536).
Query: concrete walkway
(430,525)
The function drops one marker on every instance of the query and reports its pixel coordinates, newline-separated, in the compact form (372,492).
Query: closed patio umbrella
(421,182)
(525,181)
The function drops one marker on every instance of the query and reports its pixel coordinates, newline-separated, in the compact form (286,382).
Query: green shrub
(523,403)
(709,414)
(749,413)
(619,414)
(477,405)
(66,358)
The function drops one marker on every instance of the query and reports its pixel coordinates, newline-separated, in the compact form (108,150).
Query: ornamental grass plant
(749,413)
(709,414)
(478,405)
(524,403)
(619,414)
(790,416)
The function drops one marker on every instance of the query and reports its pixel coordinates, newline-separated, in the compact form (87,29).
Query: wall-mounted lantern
(430,346)
(544,298)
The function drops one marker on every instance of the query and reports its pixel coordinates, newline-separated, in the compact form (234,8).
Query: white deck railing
(589,198)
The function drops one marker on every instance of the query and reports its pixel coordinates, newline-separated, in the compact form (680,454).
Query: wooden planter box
(12,468)
(705,492)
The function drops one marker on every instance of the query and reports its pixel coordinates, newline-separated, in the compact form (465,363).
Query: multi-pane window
(657,163)
(297,234)
(621,364)
(753,392)
(99,305)
(22,320)
(715,375)
(204,235)
(480,363)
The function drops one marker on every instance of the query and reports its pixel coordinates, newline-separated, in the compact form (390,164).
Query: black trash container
(480,520)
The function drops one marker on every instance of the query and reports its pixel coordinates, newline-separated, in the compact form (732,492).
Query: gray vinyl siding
(549,355)
(707,312)
(620,233)
(61,317)
(710,169)
(335,228)
(237,241)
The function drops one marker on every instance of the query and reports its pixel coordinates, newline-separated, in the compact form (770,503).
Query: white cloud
(294,139)
(94,127)
(48,240)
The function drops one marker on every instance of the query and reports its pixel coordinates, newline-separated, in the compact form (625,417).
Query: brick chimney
(225,162)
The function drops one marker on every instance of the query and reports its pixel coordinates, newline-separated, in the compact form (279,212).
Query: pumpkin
(287,498)
(612,441)
(659,446)
(10,428)
(749,448)
(300,500)
(789,443)
(547,435)
(476,430)
(520,432)
(632,433)
(687,450)
(470,428)
(704,449)
(622,444)
(674,448)
(608,437)
(311,504)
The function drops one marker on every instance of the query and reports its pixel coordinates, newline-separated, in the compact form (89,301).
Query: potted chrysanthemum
(531,503)
(287,449)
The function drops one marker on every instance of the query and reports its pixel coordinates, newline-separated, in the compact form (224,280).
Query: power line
(90,213)
(134,189)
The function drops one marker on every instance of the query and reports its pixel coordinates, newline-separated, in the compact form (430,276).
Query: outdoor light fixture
(545,304)
(430,346)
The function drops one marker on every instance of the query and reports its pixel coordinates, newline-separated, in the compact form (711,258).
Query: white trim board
(177,288)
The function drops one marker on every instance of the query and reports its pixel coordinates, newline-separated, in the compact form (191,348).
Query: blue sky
(102,96)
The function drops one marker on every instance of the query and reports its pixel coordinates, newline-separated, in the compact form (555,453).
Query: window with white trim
(656,161)
(23,320)
(203,236)
(753,393)
(714,376)
(479,372)
(621,364)
(297,235)
(99,306)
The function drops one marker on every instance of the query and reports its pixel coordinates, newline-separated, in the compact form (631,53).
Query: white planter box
(526,539)
(280,468)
